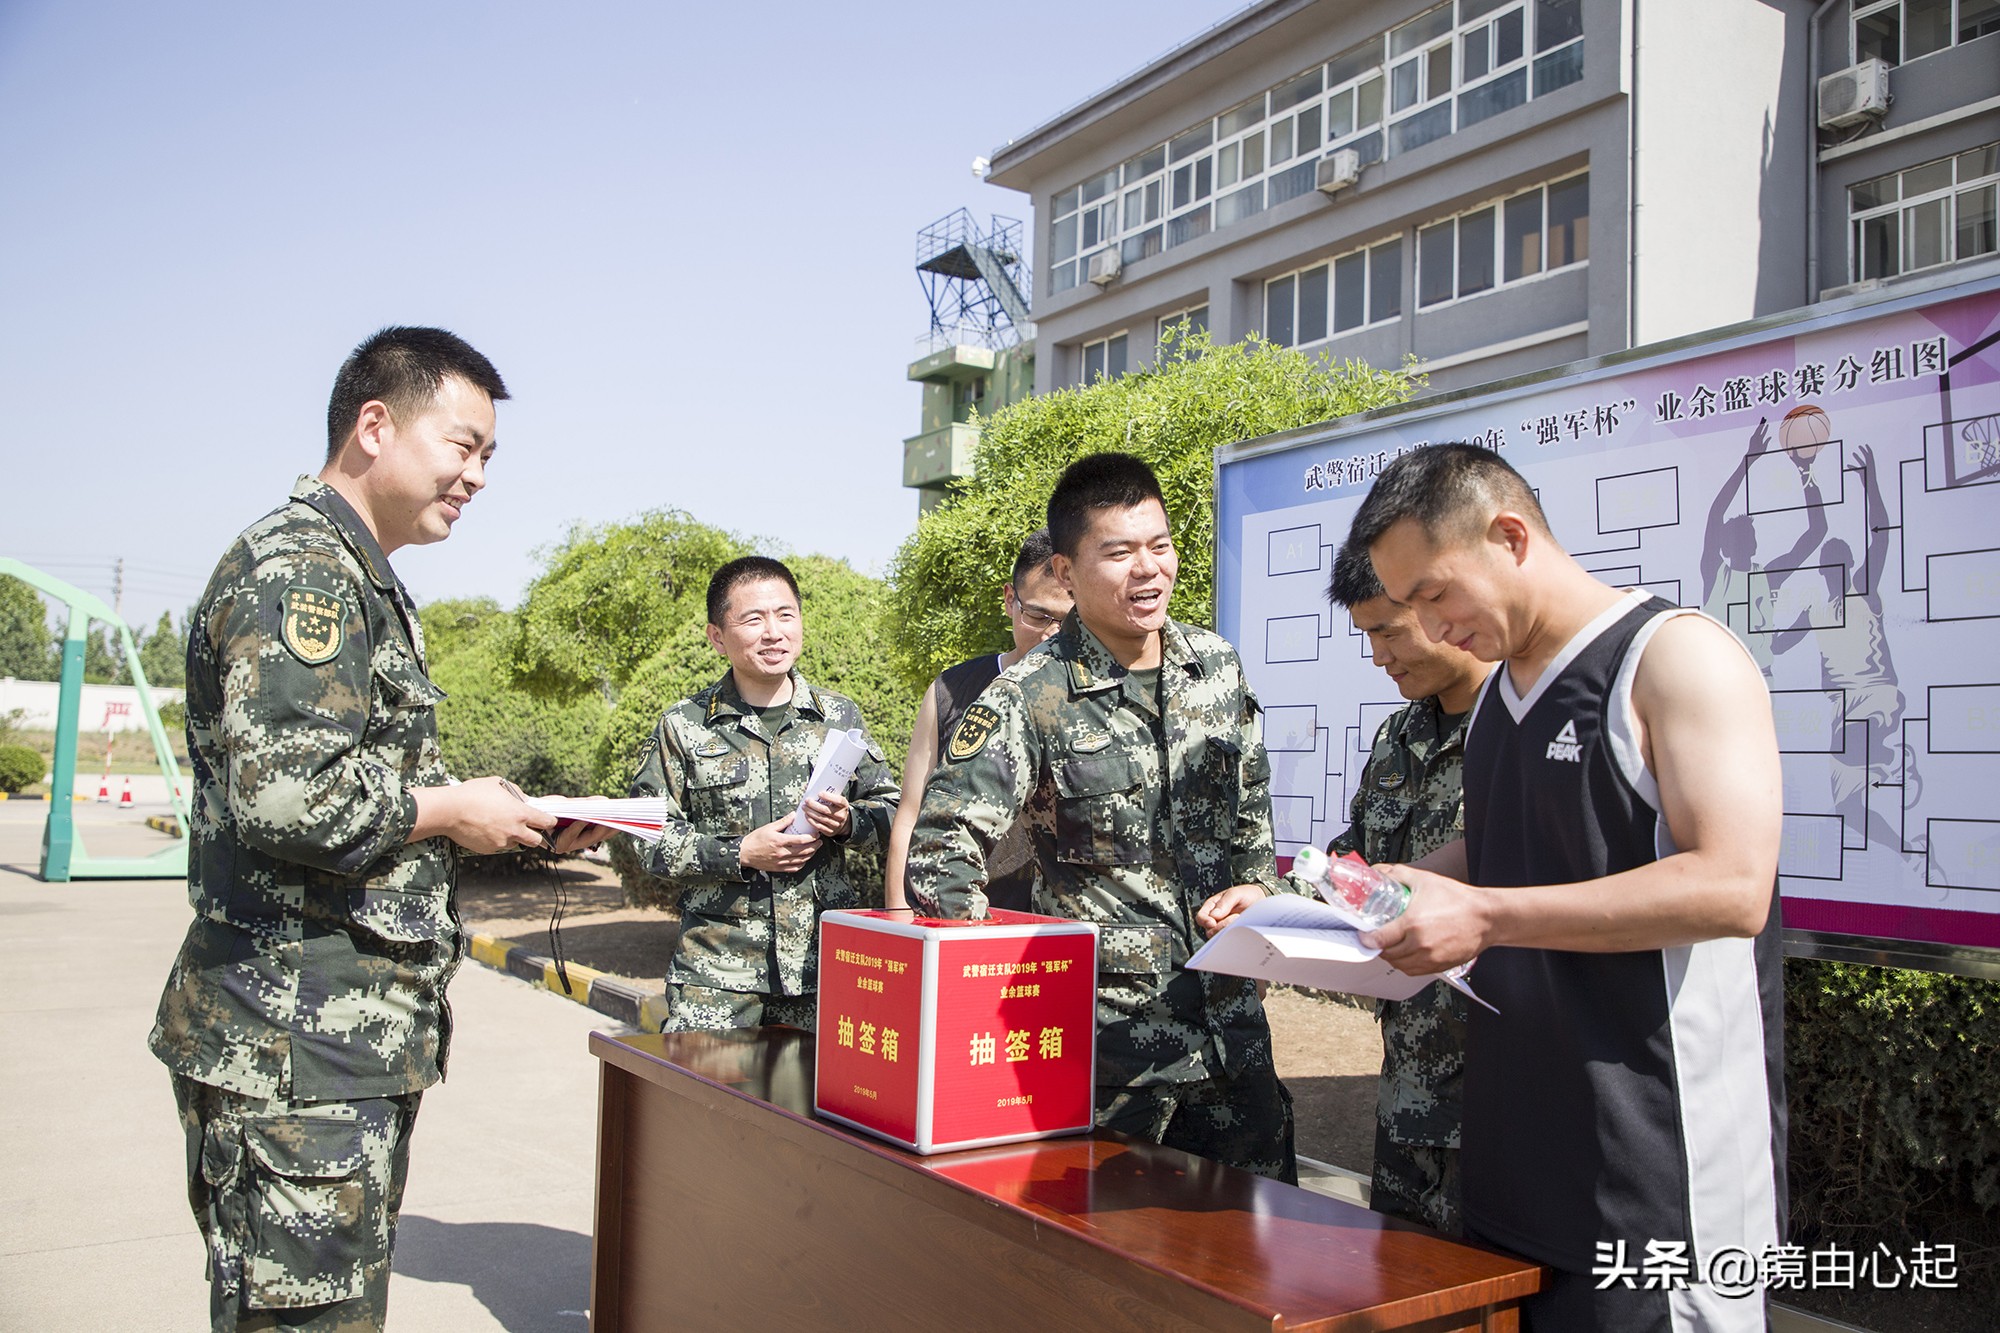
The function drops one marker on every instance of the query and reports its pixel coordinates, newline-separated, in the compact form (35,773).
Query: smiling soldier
(1128,746)
(733,762)
(306,1012)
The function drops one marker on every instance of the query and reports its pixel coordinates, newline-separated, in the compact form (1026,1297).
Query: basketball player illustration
(1729,554)
(1854,659)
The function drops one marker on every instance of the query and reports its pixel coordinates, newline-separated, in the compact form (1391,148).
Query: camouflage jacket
(1136,818)
(1409,803)
(322,941)
(724,776)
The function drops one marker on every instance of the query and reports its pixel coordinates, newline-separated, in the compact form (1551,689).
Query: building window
(1168,324)
(1923,216)
(1897,31)
(1104,359)
(1335,296)
(1502,243)
(1452,66)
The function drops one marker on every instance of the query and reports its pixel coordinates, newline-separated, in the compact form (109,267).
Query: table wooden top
(1307,1259)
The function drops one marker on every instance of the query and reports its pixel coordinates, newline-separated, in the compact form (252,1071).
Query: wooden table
(722,1203)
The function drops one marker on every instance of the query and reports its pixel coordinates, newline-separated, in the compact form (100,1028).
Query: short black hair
(744,569)
(1036,550)
(1097,481)
(1447,489)
(1354,580)
(403,368)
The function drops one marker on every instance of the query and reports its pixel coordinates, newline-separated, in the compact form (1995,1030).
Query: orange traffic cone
(125,795)
(104,791)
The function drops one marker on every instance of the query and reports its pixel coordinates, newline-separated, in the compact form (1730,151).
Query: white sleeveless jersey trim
(1621,729)
(1520,705)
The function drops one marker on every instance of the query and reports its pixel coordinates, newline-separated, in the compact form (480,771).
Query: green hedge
(1894,1083)
(488,722)
(20,767)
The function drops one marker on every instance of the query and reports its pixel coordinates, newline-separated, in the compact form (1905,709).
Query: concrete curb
(166,824)
(608,995)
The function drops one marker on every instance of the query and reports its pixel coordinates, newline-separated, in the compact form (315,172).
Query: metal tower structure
(975,282)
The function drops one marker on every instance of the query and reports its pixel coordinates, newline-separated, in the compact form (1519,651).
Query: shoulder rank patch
(312,624)
(969,737)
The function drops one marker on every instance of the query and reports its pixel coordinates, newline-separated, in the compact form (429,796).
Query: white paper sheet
(839,755)
(1304,942)
(640,816)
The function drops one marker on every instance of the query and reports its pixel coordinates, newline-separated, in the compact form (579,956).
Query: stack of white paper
(640,816)
(839,755)
(1305,942)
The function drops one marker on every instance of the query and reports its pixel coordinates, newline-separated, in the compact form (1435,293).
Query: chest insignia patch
(711,749)
(969,737)
(1389,781)
(1089,742)
(312,624)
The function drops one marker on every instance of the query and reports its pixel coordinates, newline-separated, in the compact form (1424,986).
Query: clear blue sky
(684,233)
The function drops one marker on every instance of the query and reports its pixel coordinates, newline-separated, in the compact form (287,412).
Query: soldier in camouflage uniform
(1128,747)
(305,1013)
(1409,802)
(732,763)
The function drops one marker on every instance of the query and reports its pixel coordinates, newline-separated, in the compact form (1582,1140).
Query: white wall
(37,699)
(1709,74)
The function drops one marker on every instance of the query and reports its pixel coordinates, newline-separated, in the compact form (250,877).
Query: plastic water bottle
(1365,896)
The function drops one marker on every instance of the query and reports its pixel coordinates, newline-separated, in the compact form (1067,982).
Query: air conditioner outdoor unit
(1105,266)
(1338,170)
(1853,95)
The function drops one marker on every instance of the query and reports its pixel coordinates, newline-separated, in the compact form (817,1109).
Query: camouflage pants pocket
(311,1232)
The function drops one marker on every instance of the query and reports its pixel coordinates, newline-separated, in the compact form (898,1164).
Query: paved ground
(94,1227)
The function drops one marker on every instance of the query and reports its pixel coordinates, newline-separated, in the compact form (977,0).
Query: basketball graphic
(1803,432)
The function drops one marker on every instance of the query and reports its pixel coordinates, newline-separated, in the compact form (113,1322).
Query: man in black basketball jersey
(1624,1109)
(1035,604)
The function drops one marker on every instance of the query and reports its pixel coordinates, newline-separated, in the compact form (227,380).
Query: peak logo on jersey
(1565,745)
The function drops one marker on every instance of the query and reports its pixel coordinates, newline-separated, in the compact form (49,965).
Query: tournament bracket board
(1826,484)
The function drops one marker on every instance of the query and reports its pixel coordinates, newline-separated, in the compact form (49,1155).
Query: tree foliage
(27,647)
(163,653)
(608,596)
(488,723)
(945,583)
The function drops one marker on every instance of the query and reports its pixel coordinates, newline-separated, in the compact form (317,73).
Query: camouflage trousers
(1243,1122)
(692,1008)
(297,1202)
(1417,1182)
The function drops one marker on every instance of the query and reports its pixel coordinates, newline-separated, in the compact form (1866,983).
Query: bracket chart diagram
(1848,538)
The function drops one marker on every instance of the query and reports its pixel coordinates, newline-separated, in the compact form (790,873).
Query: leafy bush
(173,716)
(489,723)
(20,767)
(609,597)
(944,599)
(1893,1077)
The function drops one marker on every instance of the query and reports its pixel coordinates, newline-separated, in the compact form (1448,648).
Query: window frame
(1120,336)
(1330,262)
(1497,204)
(1173,224)
(1897,211)
(1859,10)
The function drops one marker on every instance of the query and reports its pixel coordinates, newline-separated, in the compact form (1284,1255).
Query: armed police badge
(312,624)
(969,737)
